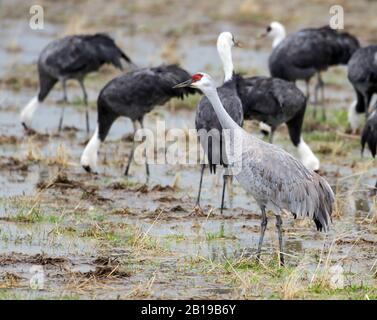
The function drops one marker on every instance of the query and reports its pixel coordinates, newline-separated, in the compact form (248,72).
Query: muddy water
(163,213)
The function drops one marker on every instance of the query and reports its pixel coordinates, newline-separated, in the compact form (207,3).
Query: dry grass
(60,158)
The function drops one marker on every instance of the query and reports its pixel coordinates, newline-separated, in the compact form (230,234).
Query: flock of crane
(275,179)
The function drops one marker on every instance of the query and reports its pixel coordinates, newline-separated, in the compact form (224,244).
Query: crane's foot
(28,131)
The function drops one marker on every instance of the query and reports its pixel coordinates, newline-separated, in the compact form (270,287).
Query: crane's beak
(238,44)
(262,35)
(184,84)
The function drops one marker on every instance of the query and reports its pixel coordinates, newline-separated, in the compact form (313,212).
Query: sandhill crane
(272,176)
(362,73)
(275,101)
(206,120)
(132,95)
(71,57)
(309,51)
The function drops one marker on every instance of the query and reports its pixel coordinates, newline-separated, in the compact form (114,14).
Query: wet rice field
(107,236)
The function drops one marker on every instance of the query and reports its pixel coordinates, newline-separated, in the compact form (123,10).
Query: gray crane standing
(272,176)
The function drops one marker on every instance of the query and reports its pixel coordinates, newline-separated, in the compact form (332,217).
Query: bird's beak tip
(183,84)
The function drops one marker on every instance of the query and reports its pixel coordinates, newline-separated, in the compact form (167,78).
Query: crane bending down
(369,135)
(206,122)
(272,176)
(72,57)
(362,73)
(307,52)
(132,95)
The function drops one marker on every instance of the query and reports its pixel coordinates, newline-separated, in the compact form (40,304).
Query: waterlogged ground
(107,236)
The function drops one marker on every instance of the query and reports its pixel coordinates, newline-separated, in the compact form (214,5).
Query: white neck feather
(90,154)
(225,119)
(307,157)
(279,36)
(225,53)
(354,118)
(27,113)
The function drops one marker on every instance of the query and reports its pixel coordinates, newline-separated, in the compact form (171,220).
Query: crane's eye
(268,29)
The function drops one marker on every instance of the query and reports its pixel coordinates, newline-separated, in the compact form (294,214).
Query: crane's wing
(284,181)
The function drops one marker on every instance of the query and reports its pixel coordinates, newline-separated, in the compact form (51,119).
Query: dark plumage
(273,101)
(369,134)
(133,95)
(73,57)
(362,73)
(206,120)
(309,51)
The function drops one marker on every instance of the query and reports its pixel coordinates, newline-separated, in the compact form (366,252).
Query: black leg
(64,85)
(63,107)
(279,223)
(366,104)
(307,90)
(85,95)
(321,85)
(225,178)
(262,231)
(316,89)
(145,150)
(200,185)
(131,155)
(272,135)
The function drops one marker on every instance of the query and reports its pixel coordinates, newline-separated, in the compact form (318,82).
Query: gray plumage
(273,101)
(206,121)
(362,73)
(311,50)
(278,181)
(275,179)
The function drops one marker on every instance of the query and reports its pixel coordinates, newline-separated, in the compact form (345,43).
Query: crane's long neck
(225,53)
(225,119)
(279,36)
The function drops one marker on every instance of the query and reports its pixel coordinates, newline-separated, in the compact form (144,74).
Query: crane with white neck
(206,122)
(275,179)
(307,52)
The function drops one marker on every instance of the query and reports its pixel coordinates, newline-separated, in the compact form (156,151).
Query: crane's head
(273,30)
(227,39)
(200,80)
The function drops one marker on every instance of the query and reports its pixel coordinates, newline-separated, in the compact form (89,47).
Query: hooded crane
(275,101)
(206,122)
(71,57)
(132,95)
(272,176)
(362,73)
(309,51)
(369,135)
(271,100)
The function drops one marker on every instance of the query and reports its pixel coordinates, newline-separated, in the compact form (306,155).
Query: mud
(106,236)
